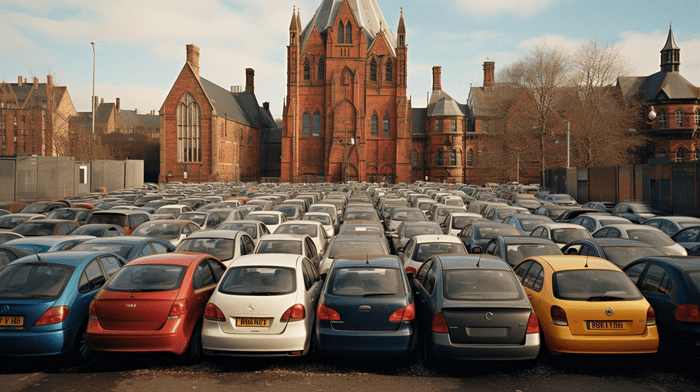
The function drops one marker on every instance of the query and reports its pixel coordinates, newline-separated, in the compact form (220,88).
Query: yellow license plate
(11,321)
(605,325)
(252,322)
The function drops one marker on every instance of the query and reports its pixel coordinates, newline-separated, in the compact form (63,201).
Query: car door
(203,283)
(423,287)
(657,286)
(311,251)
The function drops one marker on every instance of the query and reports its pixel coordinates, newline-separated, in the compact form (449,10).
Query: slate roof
(489,102)
(649,88)
(367,14)
(130,118)
(443,105)
(419,115)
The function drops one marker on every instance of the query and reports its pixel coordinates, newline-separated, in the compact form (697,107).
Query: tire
(80,352)
(194,353)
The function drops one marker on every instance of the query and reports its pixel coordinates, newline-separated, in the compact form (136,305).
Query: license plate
(11,321)
(605,325)
(252,322)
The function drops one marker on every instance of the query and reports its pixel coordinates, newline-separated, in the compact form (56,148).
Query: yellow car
(587,305)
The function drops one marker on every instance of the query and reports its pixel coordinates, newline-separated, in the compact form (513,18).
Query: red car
(155,304)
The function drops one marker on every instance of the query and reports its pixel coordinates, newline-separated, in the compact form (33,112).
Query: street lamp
(94,52)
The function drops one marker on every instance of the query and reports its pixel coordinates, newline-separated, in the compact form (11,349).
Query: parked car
(271,219)
(254,228)
(289,243)
(205,220)
(352,244)
(597,221)
(314,230)
(127,247)
(9,253)
(173,231)
(648,234)
(48,243)
(45,227)
(13,220)
(80,215)
(602,206)
(688,238)
(421,247)
(561,233)
(672,224)
(324,219)
(476,235)
(513,250)
(408,230)
(635,211)
(8,236)
(619,251)
(456,221)
(526,223)
(99,230)
(225,245)
(128,220)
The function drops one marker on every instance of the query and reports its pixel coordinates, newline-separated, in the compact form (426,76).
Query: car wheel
(81,349)
(194,352)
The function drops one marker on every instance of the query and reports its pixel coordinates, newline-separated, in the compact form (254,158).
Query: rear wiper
(605,298)
(376,294)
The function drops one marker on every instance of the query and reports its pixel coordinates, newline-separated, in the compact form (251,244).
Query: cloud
(643,51)
(492,8)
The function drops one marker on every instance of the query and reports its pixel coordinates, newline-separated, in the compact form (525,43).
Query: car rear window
(413,231)
(519,252)
(564,236)
(493,232)
(460,222)
(651,237)
(366,282)
(594,285)
(310,230)
(423,251)
(280,246)
(147,278)
(266,219)
(164,231)
(221,248)
(34,280)
(695,279)
(531,223)
(355,247)
(35,228)
(480,285)
(623,255)
(62,214)
(112,219)
(258,281)
(322,219)
(196,218)
(249,228)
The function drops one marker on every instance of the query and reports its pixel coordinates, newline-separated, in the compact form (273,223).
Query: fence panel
(683,194)
(27,180)
(602,182)
(582,186)
(625,182)
(7,179)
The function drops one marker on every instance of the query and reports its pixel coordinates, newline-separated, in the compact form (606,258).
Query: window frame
(189,135)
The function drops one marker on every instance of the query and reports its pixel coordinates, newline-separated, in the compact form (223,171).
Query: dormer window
(341,33)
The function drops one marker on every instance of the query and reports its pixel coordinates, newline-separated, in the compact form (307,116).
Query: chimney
(36,82)
(266,106)
(118,105)
(489,67)
(19,81)
(96,102)
(193,58)
(136,111)
(250,81)
(49,80)
(437,83)
(102,100)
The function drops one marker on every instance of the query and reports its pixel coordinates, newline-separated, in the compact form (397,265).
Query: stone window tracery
(341,33)
(316,124)
(679,118)
(321,70)
(348,33)
(470,157)
(662,119)
(307,70)
(389,71)
(188,130)
(373,70)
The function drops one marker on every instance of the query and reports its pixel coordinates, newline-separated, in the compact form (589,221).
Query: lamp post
(94,53)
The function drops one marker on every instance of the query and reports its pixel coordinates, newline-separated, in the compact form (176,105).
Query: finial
(401,10)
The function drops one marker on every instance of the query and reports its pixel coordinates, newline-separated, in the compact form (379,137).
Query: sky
(142,42)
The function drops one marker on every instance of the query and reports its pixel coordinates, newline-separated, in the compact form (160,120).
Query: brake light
(54,315)
(559,316)
(212,312)
(687,313)
(325,313)
(651,317)
(410,270)
(533,326)
(128,230)
(294,313)
(407,313)
(439,324)
(92,312)
(179,309)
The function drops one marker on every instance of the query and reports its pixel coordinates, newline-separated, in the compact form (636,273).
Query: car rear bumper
(35,343)
(400,342)
(171,338)
(443,348)
(296,337)
(562,341)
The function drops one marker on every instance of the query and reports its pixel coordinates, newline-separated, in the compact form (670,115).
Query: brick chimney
(102,100)
(489,68)
(193,58)
(266,106)
(49,80)
(118,105)
(250,81)
(97,100)
(437,76)
(19,81)
(36,82)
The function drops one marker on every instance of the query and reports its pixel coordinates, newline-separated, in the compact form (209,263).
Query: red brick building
(346,114)
(213,132)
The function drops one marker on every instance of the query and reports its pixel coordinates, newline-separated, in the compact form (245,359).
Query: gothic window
(662,119)
(307,70)
(385,126)
(375,120)
(341,33)
(453,157)
(470,157)
(321,70)
(305,126)
(401,41)
(484,126)
(679,118)
(188,130)
(662,154)
(389,71)
(316,124)
(679,154)
(348,33)
(373,71)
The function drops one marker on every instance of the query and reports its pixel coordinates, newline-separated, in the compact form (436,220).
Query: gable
(187,81)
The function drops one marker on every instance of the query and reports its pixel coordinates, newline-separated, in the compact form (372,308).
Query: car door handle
(529,296)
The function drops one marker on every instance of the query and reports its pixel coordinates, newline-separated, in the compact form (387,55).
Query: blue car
(44,301)
(671,284)
(366,308)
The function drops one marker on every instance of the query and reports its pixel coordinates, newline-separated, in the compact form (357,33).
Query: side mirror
(476,249)
(401,249)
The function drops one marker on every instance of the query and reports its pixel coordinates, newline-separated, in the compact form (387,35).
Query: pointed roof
(443,105)
(670,42)
(293,26)
(672,84)
(366,12)
(402,27)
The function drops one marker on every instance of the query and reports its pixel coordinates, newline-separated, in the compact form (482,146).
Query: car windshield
(280,246)
(147,278)
(221,248)
(493,232)
(563,198)
(11,221)
(442,212)
(460,222)
(528,203)
(454,202)
(288,211)
(258,281)
(361,215)
(356,247)
(651,237)
(594,285)
(164,231)
(327,209)
(34,280)
(121,250)
(564,236)
(199,219)
(35,228)
(519,252)
(480,285)
(37,208)
(310,230)
(112,219)
(606,222)
(413,231)
(366,282)
(322,219)
(623,255)
(249,228)
(88,230)
(423,251)
(266,219)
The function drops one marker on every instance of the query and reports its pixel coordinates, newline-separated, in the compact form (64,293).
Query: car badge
(133,295)
(130,305)
(251,307)
(5,308)
(489,316)
(609,311)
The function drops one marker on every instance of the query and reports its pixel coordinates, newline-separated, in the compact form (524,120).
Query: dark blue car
(366,308)
(671,284)
(44,301)
(128,247)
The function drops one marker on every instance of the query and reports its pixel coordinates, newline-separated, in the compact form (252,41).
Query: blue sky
(143,41)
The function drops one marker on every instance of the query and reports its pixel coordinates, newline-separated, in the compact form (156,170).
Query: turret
(670,54)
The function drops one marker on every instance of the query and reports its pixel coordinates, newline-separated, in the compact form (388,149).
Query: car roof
(685,263)
(676,218)
(264,259)
(122,240)
(47,240)
(224,234)
(67,257)
(120,212)
(556,225)
(425,238)
(359,260)
(284,237)
(526,239)
(177,258)
(604,242)
(485,261)
(574,262)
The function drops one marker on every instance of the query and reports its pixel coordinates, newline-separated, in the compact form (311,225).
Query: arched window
(414,158)
(697,117)
(401,41)
(662,119)
(389,71)
(188,130)
(307,70)
(305,125)
(453,157)
(375,120)
(679,118)
(373,70)
(385,126)
(321,70)
(341,33)
(348,33)
(316,124)
(470,157)
(662,154)
(680,153)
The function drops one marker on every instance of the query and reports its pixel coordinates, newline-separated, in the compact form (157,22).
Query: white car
(298,244)
(420,247)
(271,219)
(254,228)
(314,230)
(263,307)
(561,233)
(323,218)
(174,209)
(648,234)
(225,245)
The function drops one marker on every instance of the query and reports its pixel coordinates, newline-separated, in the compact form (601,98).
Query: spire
(294,26)
(670,54)
(670,41)
(402,27)
(299,19)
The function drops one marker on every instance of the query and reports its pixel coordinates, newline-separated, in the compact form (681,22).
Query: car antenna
(586,266)
(36,253)
(367,256)
(478,260)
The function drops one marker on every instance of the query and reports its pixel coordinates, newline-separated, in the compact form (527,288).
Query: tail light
(325,313)
(687,313)
(294,313)
(411,270)
(92,312)
(533,325)
(559,316)
(128,230)
(54,315)
(212,312)
(439,324)
(651,317)
(407,313)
